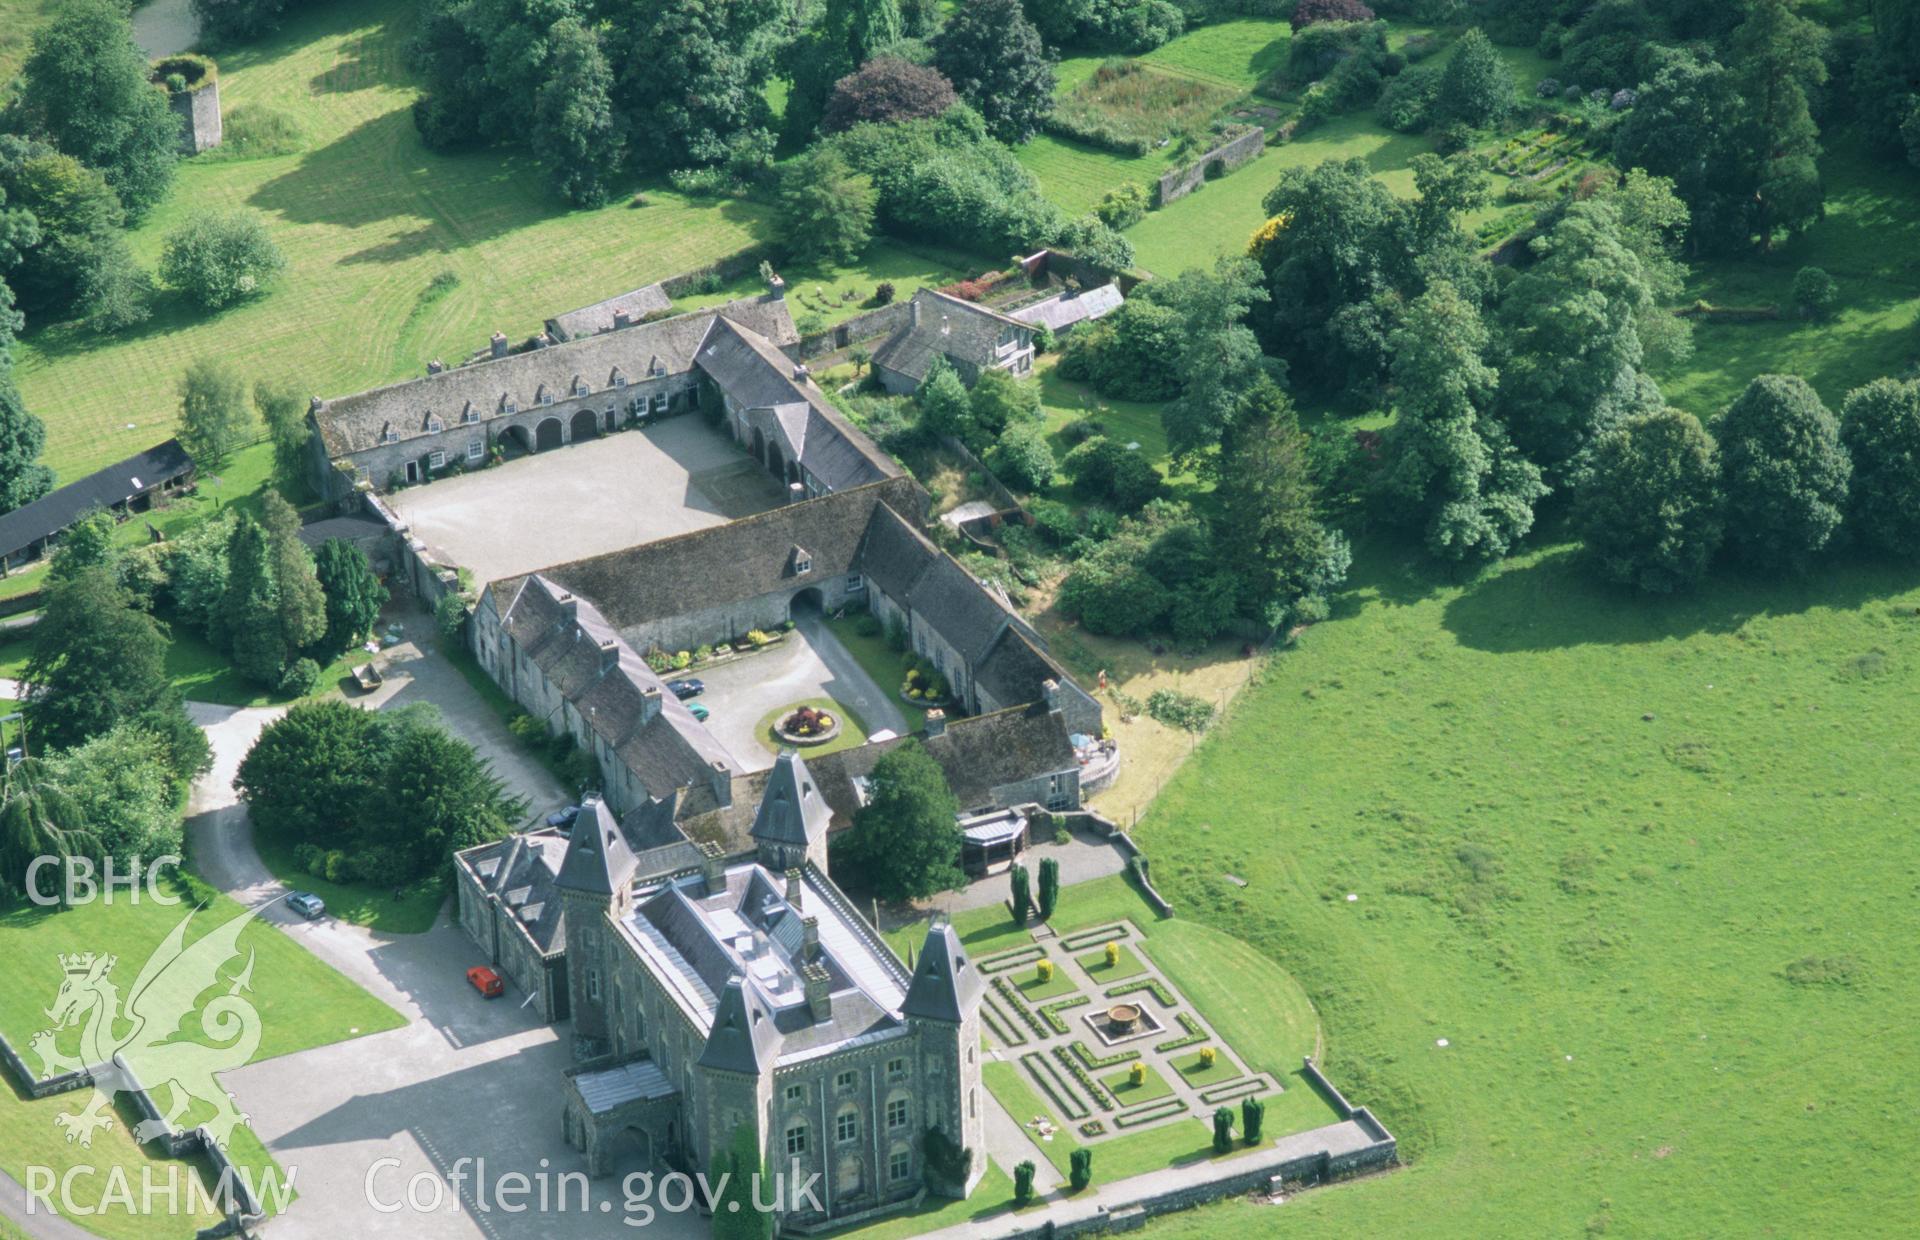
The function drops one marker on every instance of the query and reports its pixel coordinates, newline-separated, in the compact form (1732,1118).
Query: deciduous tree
(214,419)
(994,58)
(1779,56)
(884,90)
(1880,427)
(85,88)
(904,841)
(826,209)
(1647,504)
(1784,471)
(97,662)
(1477,87)
(219,257)
(575,134)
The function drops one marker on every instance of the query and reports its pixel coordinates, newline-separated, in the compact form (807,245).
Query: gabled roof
(743,1038)
(792,811)
(598,859)
(116,484)
(759,378)
(946,987)
(731,563)
(521,870)
(976,754)
(599,317)
(943,325)
(350,424)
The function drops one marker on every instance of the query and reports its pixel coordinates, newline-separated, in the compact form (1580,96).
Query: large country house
(710,992)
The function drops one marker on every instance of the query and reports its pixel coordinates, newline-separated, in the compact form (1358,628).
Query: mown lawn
(1646,865)
(411,908)
(301,1002)
(887,666)
(367,218)
(1869,242)
(853,731)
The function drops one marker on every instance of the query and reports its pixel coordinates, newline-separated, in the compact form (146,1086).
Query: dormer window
(802,561)
(507,405)
(580,388)
(434,425)
(656,367)
(469,414)
(619,378)
(544,396)
(389,434)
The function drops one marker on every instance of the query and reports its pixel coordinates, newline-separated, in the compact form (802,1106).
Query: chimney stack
(315,405)
(622,318)
(650,702)
(498,344)
(776,287)
(794,894)
(913,308)
(436,366)
(818,999)
(809,939)
(609,657)
(713,866)
(936,722)
(1050,690)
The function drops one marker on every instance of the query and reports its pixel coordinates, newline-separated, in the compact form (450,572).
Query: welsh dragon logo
(149,1038)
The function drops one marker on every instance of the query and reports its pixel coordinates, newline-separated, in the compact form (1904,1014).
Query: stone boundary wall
(1138,863)
(1060,264)
(1180,182)
(859,329)
(430,579)
(732,267)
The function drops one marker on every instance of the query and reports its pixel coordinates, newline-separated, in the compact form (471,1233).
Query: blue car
(690,687)
(306,904)
(563,817)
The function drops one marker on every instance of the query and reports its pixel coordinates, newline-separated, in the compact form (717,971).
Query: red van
(486,981)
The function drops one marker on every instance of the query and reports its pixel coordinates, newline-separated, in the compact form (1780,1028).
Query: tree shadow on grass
(1557,601)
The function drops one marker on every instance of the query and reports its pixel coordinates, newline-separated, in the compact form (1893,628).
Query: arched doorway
(514,441)
(806,603)
(548,435)
(626,1152)
(585,425)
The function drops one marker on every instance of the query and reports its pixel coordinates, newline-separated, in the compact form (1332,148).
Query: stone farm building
(712,989)
(971,337)
(131,486)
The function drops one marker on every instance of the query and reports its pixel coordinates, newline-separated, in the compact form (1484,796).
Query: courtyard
(587,498)
(810,665)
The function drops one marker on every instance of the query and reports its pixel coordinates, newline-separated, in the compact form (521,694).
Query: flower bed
(808,725)
(1152,985)
(1050,1012)
(1233,1089)
(1001,1026)
(1163,1109)
(1048,1079)
(1194,1034)
(1093,938)
(1011,960)
(1094,1089)
(1011,997)
(1097,1062)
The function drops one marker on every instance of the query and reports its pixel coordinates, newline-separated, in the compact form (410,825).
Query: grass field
(367,218)
(1869,242)
(301,1003)
(358,903)
(1646,865)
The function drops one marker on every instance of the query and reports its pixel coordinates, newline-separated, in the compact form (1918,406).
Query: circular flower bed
(924,686)
(808,725)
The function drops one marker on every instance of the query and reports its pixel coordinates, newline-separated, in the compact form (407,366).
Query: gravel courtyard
(588,498)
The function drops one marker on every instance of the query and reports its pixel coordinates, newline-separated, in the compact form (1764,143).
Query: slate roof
(1013,669)
(1064,310)
(598,860)
(944,325)
(590,320)
(758,377)
(521,870)
(977,755)
(350,424)
(725,564)
(909,568)
(116,484)
(946,986)
(611,687)
(792,810)
(643,1081)
(743,1038)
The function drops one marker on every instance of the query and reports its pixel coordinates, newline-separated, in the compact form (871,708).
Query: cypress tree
(1022,896)
(249,618)
(1049,886)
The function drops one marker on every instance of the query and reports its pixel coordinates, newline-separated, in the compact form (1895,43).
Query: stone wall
(199,113)
(40,1087)
(1180,182)
(731,267)
(860,329)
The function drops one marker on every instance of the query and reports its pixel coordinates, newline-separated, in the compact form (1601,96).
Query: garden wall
(1180,182)
(859,329)
(732,267)
(39,1087)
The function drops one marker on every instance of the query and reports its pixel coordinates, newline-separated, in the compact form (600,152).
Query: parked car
(486,981)
(691,687)
(306,904)
(563,817)
(699,712)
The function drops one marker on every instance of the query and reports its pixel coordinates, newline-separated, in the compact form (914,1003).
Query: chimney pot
(713,866)
(809,939)
(609,656)
(936,722)
(795,895)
